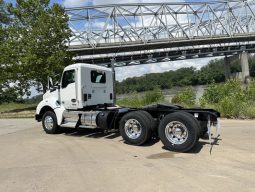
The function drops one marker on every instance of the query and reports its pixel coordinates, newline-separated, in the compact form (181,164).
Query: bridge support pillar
(227,67)
(245,67)
(113,80)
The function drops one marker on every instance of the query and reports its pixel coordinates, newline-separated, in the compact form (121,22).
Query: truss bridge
(133,34)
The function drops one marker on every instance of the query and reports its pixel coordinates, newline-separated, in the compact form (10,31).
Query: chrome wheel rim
(133,128)
(48,122)
(176,132)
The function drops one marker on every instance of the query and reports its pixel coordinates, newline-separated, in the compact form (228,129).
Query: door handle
(73,100)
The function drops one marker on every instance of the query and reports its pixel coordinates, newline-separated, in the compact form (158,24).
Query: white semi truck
(85,99)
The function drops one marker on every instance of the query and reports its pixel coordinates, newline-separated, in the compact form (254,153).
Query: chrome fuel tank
(88,119)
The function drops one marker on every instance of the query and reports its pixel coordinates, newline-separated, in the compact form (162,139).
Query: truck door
(68,89)
(99,94)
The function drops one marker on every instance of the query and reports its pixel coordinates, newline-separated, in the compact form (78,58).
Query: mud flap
(210,126)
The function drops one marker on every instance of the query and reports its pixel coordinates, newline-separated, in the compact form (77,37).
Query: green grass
(186,97)
(138,100)
(17,110)
(232,99)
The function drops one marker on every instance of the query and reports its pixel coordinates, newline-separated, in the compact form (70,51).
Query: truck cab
(84,99)
(84,85)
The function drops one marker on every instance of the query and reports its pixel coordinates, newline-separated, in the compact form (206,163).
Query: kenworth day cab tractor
(85,99)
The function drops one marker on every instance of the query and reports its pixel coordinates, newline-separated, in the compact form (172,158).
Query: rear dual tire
(136,127)
(179,131)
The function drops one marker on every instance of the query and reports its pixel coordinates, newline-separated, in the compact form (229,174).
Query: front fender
(51,102)
(54,105)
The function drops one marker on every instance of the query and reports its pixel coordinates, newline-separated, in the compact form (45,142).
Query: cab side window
(68,78)
(98,77)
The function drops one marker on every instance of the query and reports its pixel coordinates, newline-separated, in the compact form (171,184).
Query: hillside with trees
(213,72)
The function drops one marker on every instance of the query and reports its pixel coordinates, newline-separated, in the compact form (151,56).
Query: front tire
(49,122)
(179,132)
(135,128)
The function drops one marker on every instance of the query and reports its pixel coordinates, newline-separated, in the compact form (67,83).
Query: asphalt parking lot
(89,161)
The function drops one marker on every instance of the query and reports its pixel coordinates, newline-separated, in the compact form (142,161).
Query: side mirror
(50,83)
(56,84)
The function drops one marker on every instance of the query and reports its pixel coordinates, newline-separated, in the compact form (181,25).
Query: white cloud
(139,70)
(75,3)
(104,2)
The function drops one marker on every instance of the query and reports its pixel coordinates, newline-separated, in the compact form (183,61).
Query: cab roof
(85,65)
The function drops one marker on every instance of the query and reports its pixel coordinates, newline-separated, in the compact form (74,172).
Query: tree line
(211,73)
